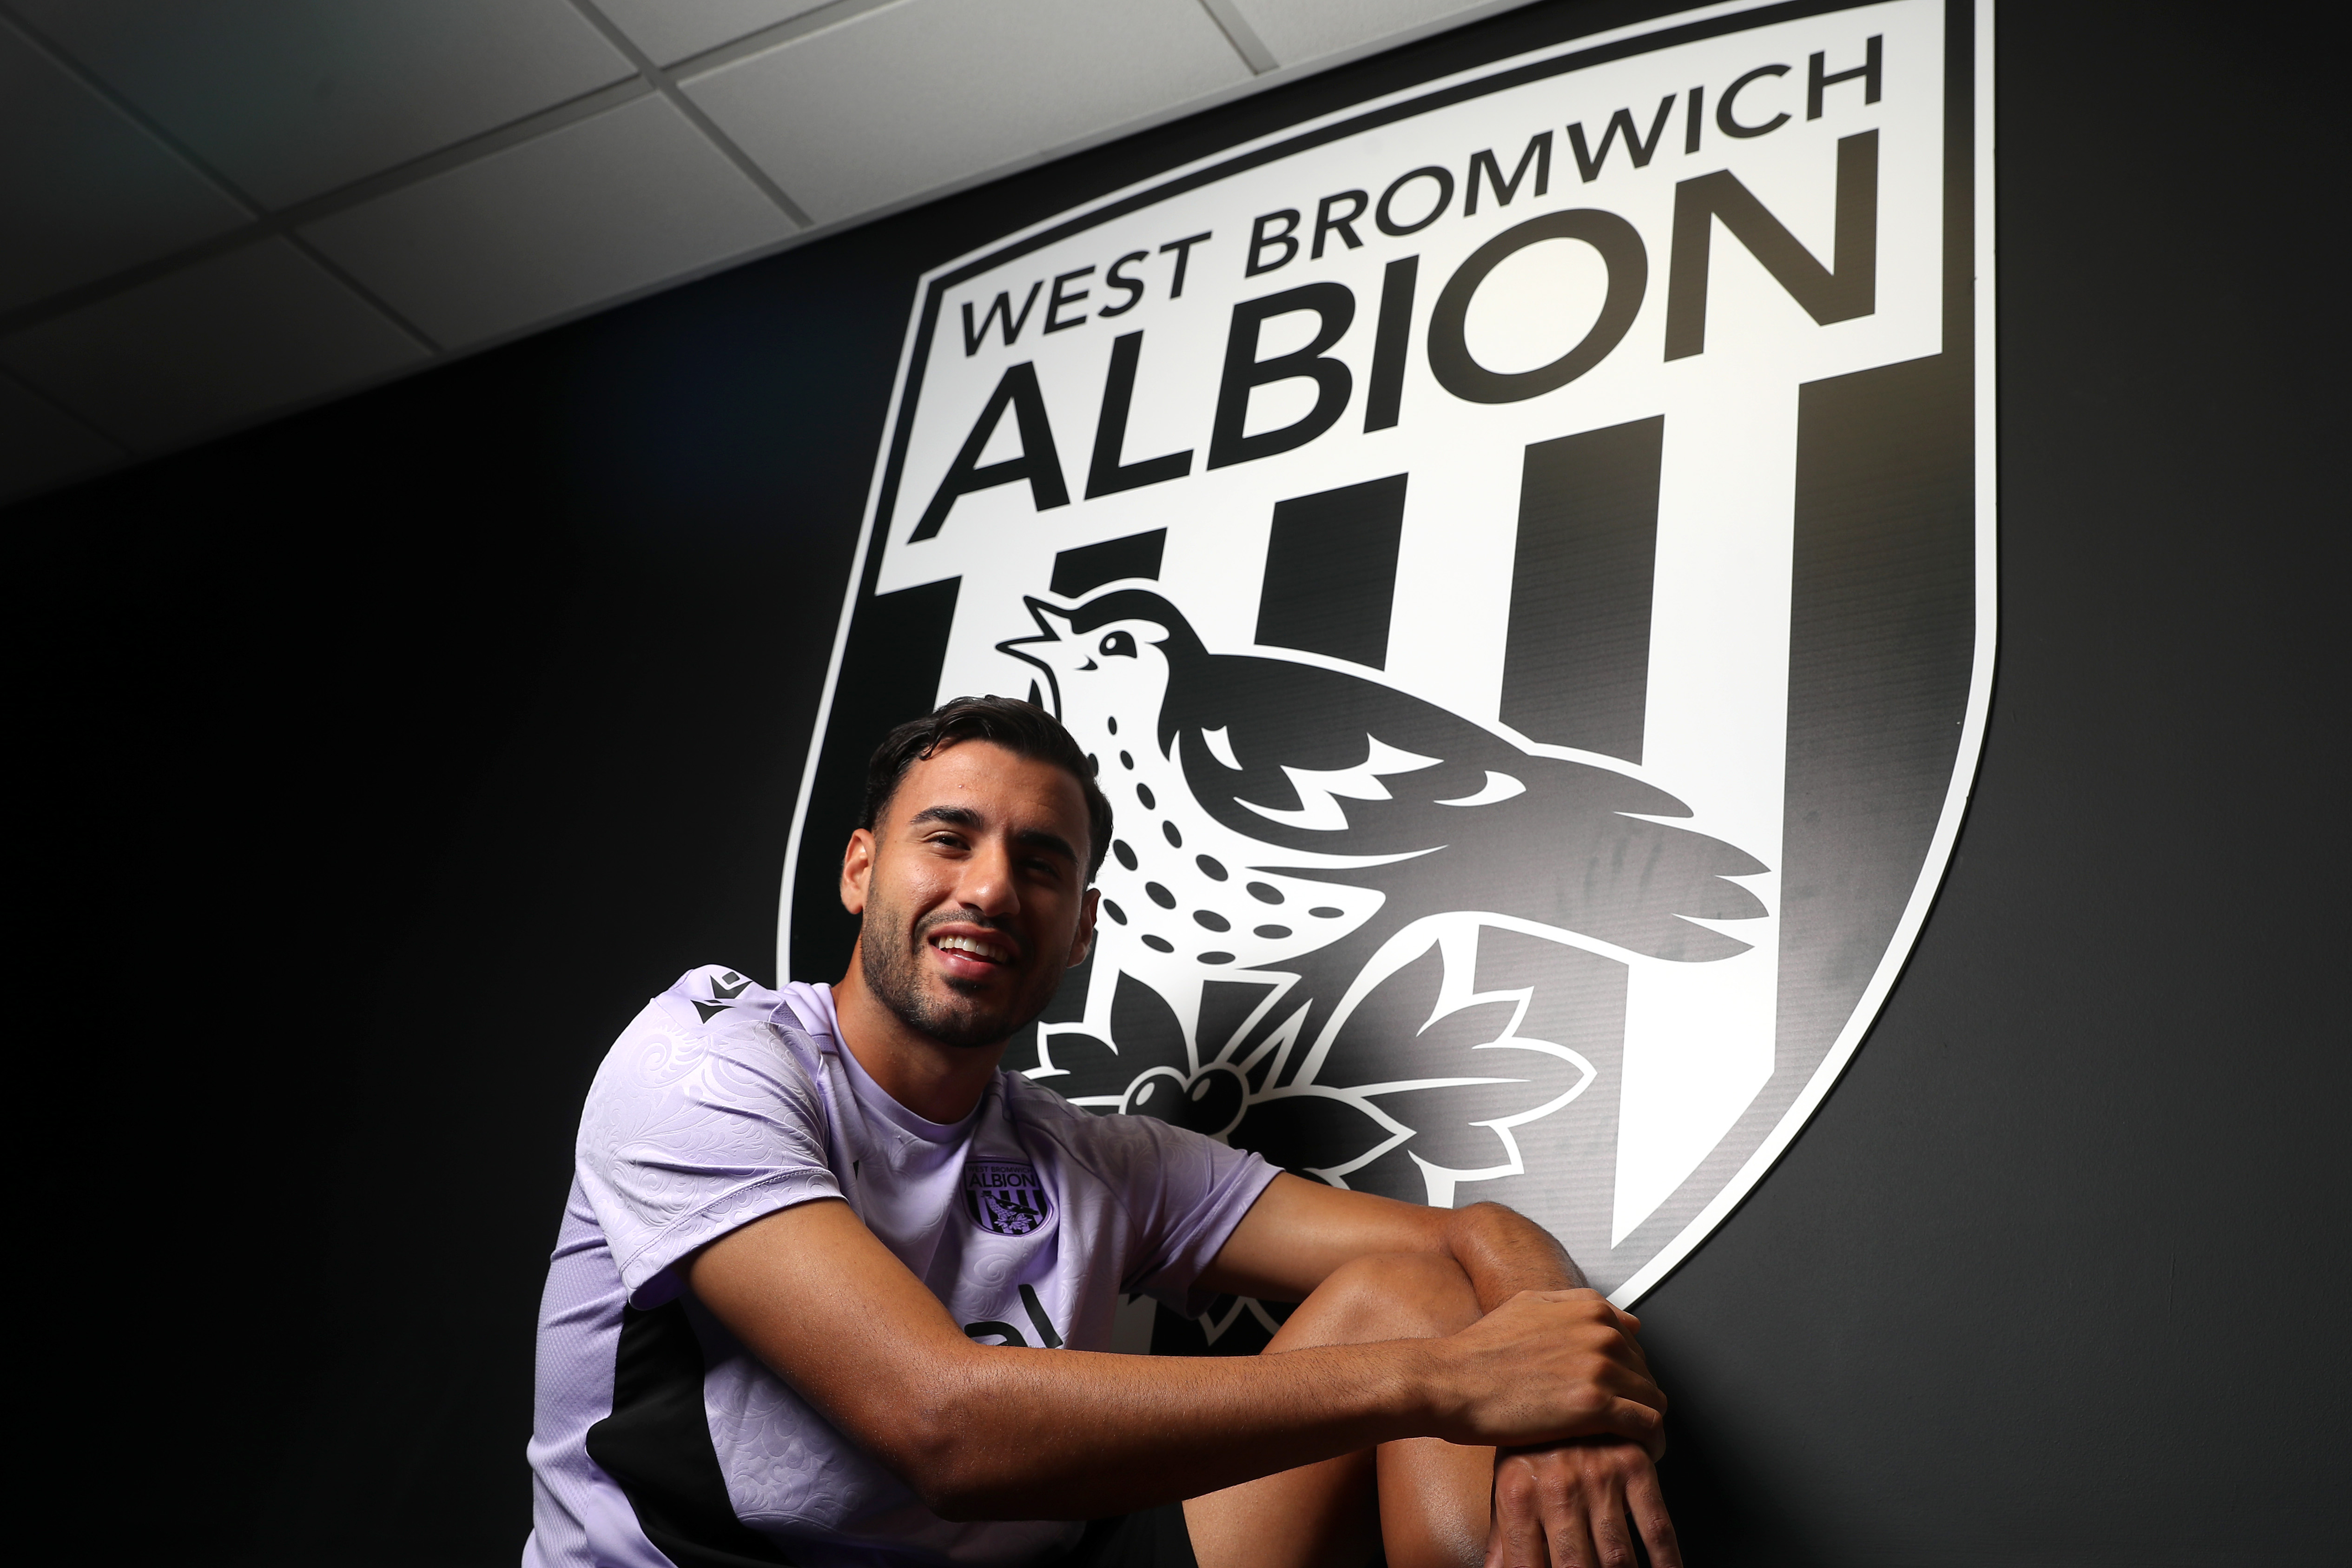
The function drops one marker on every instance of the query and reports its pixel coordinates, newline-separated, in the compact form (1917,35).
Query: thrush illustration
(1279,822)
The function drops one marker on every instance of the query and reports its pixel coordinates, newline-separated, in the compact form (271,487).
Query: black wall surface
(375,765)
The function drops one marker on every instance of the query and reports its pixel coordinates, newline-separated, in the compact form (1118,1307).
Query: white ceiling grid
(218,210)
(630,198)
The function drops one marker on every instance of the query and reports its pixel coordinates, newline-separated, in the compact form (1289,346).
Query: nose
(988,887)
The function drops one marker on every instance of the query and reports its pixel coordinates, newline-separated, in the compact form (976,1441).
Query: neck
(937,1083)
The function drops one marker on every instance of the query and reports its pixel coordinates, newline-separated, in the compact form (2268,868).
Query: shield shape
(1519,555)
(1004,1197)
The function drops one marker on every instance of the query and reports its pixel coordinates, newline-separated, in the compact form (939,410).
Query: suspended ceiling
(221,210)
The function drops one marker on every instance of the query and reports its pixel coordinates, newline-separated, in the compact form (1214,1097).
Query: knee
(1389,1296)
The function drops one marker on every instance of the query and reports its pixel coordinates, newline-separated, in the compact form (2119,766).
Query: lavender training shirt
(724,1101)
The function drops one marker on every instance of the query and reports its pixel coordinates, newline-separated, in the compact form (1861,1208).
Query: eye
(1118,644)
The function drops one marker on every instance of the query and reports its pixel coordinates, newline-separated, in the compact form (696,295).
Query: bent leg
(1438,1503)
(1427,1501)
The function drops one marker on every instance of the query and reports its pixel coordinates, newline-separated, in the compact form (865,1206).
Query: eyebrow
(964,816)
(1038,838)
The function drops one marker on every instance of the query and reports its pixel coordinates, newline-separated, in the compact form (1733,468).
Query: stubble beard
(895,974)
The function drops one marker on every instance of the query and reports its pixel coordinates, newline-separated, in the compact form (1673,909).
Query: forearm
(984,1431)
(1015,1434)
(1301,1231)
(1024,1433)
(987,1431)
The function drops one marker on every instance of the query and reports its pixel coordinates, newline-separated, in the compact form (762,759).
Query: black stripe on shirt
(656,1445)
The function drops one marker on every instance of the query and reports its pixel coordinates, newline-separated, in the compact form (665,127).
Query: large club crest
(1517,554)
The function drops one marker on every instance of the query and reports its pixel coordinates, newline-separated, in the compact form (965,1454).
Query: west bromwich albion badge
(1518,556)
(1004,1197)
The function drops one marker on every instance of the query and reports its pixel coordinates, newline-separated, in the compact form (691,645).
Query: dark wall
(378,764)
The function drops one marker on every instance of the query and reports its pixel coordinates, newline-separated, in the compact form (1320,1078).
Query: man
(830,1287)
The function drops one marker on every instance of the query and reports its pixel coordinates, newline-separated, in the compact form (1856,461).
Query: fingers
(1515,1540)
(1572,1546)
(1647,1505)
(1631,1327)
(1572,1508)
(1602,1312)
(1579,1505)
(1583,1311)
(1631,1383)
(1641,1425)
(1613,1541)
(1551,1365)
(1538,1513)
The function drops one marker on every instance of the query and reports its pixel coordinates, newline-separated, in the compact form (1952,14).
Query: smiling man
(832,1289)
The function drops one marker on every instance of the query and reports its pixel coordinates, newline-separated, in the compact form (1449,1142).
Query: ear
(857,871)
(1085,944)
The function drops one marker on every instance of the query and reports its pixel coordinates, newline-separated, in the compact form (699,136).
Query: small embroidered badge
(1004,1196)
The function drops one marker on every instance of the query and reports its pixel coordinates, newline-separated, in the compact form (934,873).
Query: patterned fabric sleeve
(691,1130)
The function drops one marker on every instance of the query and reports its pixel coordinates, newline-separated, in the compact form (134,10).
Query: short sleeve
(1183,1193)
(692,1130)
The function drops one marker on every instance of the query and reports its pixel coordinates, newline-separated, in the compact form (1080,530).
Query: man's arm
(1554,1501)
(988,1432)
(1299,1231)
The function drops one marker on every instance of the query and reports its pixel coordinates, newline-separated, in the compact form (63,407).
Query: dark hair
(1022,728)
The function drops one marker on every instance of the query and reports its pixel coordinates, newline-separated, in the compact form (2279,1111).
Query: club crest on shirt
(1004,1197)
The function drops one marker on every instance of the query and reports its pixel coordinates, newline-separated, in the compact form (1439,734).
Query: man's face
(971,891)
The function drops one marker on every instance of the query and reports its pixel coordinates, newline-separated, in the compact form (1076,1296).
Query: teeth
(966,944)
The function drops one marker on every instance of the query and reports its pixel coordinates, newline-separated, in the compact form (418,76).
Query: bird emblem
(1289,949)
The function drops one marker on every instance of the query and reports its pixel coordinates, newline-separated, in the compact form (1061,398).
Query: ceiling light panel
(1296,31)
(208,347)
(596,209)
(85,192)
(919,95)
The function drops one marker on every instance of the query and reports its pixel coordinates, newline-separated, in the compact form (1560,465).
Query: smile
(973,947)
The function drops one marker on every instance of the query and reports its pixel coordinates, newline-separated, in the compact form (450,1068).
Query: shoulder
(714,1036)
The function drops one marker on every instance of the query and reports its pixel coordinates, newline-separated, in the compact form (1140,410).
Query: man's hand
(1548,1365)
(1566,1506)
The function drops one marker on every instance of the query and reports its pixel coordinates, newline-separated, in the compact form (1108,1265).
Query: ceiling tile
(85,192)
(628,198)
(291,97)
(1301,30)
(208,347)
(672,30)
(41,448)
(922,94)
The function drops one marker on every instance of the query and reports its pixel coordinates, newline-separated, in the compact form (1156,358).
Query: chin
(961,1019)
